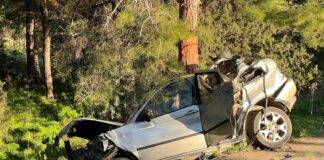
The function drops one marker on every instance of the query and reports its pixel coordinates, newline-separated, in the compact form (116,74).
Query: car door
(215,104)
(173,125)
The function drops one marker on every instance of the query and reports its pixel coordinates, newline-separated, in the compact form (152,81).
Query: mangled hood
(86,128)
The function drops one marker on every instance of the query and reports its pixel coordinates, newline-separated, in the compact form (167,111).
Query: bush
(30,127)
(139,51)
(254,40)
(308,116)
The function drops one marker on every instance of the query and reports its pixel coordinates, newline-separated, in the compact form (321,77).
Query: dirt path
(308,148)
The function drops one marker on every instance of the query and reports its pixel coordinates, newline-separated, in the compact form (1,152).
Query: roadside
(310,148)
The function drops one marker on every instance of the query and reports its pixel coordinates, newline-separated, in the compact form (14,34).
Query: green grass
(304,123)
(240,147)
(31,124)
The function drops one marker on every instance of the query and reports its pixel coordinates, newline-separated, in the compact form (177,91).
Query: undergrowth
(31,125)
(304,123)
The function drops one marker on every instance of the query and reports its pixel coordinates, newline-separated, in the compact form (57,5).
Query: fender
(86,128)
(287,95)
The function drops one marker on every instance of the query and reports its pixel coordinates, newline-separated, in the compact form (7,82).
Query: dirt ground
(307,148)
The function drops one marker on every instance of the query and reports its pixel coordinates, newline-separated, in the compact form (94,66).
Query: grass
(304,123)
(240,147)
(31,124)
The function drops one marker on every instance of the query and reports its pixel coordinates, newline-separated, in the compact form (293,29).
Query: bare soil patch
(307,148)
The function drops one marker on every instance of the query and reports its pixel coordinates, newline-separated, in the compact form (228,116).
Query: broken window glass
(177,95)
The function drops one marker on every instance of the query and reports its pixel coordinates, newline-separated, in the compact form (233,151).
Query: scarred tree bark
(47,50)
(189,10)
(33,70)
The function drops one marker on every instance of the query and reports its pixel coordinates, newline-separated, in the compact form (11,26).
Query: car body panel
(167,150)
(264,86)
(163,132)
(287,94)
(215,114)
(216,109)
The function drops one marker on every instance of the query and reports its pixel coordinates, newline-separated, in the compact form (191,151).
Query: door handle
(191,112)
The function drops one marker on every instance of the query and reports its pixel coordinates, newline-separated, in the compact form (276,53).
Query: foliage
(12,57)
(305,17)
(142,48)
(254,40)
(129,60)
(1,13)
(304,123)
(31,126)
(105,61)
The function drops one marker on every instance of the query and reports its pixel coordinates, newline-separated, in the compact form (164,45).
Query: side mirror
(146,117)
(143,117)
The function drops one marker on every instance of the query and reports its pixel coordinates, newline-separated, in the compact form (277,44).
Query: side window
(177,95)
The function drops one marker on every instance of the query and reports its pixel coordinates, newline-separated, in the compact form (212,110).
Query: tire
(270,131)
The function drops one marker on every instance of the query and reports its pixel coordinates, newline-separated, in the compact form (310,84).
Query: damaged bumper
(92,130)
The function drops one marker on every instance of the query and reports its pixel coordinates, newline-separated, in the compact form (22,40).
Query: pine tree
(47,49)
(33,70)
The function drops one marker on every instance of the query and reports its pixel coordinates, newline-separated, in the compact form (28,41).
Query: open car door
(215,100)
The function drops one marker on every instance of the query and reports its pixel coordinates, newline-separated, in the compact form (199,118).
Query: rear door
(174,127)
(215,104)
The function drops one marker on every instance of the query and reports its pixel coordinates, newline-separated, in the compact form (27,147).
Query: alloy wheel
(273,127)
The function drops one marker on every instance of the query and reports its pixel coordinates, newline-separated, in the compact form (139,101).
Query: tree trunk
(47,51)
(33,70)
(189,10)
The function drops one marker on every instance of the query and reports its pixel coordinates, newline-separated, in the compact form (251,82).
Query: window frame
(194,97)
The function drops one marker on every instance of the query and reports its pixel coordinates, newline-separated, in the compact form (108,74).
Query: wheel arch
(283,98)
(271,102)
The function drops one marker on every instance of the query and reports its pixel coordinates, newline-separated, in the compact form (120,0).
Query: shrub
(30,127)
(254,40)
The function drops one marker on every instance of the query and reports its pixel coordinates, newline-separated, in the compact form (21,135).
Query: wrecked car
(229,103)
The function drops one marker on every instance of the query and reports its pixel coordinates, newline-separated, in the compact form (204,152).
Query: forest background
(61,60)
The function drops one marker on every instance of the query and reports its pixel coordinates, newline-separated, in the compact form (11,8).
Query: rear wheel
(270,129)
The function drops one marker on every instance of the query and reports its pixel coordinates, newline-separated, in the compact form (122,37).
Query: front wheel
(270,129)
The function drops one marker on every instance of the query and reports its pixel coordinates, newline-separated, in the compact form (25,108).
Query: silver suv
(229,103)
